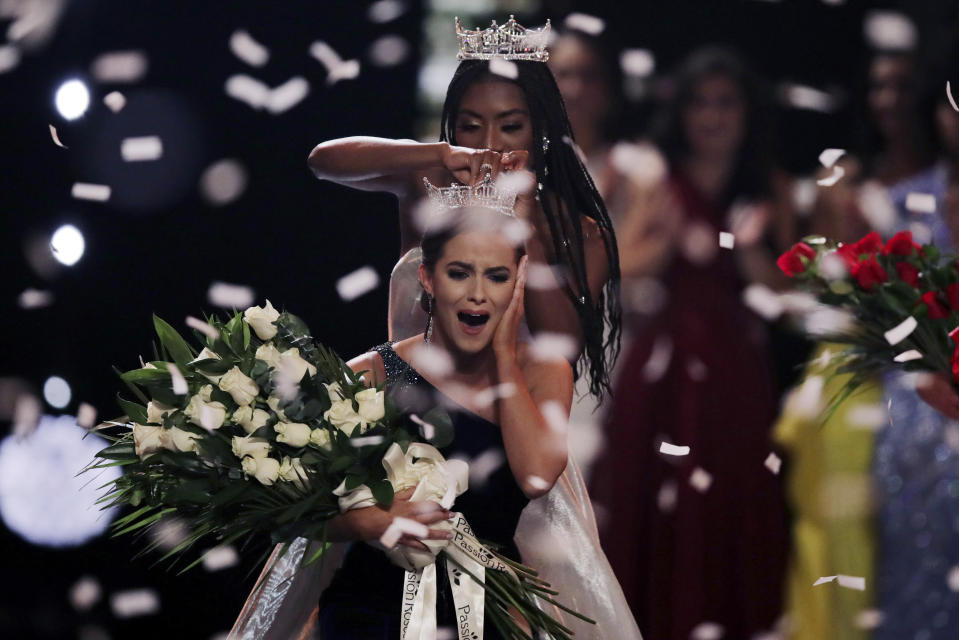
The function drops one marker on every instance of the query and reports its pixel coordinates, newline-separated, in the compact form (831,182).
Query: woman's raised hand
(370,523)
(471,166)
(507,332)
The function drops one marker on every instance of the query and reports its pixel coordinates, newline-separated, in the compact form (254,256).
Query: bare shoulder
(404,348)
(547,379)
(370,364)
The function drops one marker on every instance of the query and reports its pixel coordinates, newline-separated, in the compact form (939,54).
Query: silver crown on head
(511,41)
(485,194)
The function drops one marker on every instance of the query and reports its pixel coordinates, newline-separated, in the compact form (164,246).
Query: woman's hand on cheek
(507,332)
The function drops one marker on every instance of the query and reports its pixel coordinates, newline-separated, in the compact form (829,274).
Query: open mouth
(473,319)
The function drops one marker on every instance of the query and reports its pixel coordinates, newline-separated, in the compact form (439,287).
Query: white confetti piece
(869,619)
(389,51)
(825,320)
(223,182)
(287,95)
(553,346)
(837,173)
(698,243)
(34,299)
(727,240)
(824,580)
(114,101)
(832,266)
(890,31)
(877,207)
(543,277)
(851,582)
(763,300)
(901,331)
(773,463)
(401,526)
(555,415)
(806,400)
(86,415)
(908,356)
(643,163)
(168,533)
(804,194)
(26,415)
(366,441)
(503,68)
(357,283)
(538,484)
(952,101)
(336,68)
(586,23)
(707,631)
(431,360)
(180,387)
(87,191)
(491,394)
(247,89)
(56,138)
(9,57)
(655,367)
(696,369)
(808,98)
(427,429)
(141,149)
(952,579)
(667,495)
(85,593)
(119,66)
(383,11)
(921,202)
(202,327)
(673,450)
(828,157)
(484,465)
(247,49)
(134,602)
(638,63)
(219,558)
(921,232)
(700,480)
(230,296)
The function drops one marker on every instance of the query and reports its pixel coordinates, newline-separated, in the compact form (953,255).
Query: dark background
(157,245)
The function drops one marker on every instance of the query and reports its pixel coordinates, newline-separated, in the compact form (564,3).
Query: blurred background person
(700,537)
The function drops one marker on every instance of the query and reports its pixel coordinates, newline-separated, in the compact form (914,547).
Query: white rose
(250,419)
(335,391)
(292,365)
(207,354)
(342,416)
(180,440)
(265,469)
(156,411)
(295,434)
(321,438)
(147,440)
(291,470)
(274,403)
(261,320)
(250,446)
(372,407)
(207,414)
(268,354)
(239,385)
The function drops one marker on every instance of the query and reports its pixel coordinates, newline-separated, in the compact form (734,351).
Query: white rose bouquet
(263,431)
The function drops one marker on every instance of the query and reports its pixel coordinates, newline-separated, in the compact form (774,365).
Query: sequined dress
(363,601)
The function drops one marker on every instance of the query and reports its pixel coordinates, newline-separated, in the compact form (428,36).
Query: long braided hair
(561,173)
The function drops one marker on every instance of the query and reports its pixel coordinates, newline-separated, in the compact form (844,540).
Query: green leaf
(146,376)
(136,412)
(119,451)
(383,492)
(341,464)
(179,350)
(443,431)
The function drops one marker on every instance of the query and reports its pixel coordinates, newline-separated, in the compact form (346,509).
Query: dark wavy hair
(751,176)
(560,171)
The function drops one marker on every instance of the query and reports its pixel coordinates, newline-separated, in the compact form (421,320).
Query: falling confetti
(503,68)
(223,182)
(401,526)
(134,602)
(555,415)
(357,283)
(119,66)
(890,31)
(336,68)
(389,51)
(837,173)
(56,138)
(543,277)
(141,149)
(800,96)
(202,327)
(921,202)
(673,450)
(707,631)
(427,429)
(901,331)
(952,579)
(655,367)
(248,50)
(666,497)
(491,394)
(432,360)
(482,466)
(638,63)
(773,463)
(384,11)
(806,400)
(34,299)
(952,101)
(230,296)
(247,89)
(763,300)
(698,243)
(851,582)
(586,23)
(727,240)
(908,356)
(85,593)
(700,480)
(696,369)
(180,386)
(553,346)
(869,619)
(366,441)
(87,191)
(287,95)
(114,101)
(219,558)
(9,57)
(828,157)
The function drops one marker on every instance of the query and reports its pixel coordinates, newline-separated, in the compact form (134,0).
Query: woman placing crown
(492,123)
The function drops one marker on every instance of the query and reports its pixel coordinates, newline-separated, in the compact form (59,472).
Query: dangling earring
(428,336)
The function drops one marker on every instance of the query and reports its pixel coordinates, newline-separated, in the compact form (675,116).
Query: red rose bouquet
(903,299)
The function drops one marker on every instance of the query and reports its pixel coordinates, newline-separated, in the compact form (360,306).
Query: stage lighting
(67,245)
(72,99)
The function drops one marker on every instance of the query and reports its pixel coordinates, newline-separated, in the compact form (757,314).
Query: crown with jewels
(485,194)
(510,41)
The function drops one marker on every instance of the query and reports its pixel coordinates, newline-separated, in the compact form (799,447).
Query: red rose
(909,274)
(869,273)
(870,243)
(901,244)
(936,308)
(792,262)
(952,295)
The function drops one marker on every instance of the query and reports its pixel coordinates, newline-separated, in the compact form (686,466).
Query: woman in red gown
(699,538)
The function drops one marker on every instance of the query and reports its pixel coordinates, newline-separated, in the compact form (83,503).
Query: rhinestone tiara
(485,195)
(510,41)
